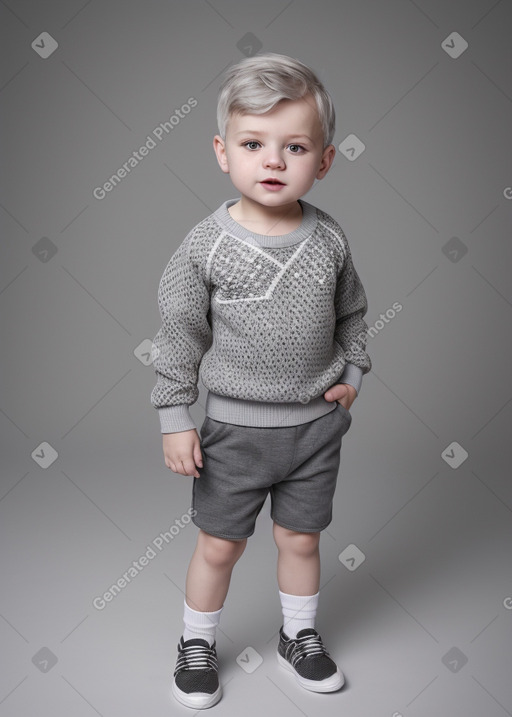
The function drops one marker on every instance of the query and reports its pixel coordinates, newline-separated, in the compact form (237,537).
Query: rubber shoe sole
(330,684)
(196,700)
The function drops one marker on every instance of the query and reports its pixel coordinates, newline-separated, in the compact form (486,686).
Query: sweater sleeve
(350,333)
(184,337)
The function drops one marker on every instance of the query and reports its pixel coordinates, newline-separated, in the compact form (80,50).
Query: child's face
(285,144)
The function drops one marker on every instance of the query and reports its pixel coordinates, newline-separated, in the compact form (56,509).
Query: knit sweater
(269,323)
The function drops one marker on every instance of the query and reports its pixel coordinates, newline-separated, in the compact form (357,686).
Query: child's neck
(272,221)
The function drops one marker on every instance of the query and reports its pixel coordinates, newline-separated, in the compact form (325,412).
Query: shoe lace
(306,646)
(196,657)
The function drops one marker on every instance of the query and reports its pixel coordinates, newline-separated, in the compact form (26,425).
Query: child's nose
(273,159)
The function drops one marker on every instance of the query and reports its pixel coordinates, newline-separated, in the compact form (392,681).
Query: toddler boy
(263,297)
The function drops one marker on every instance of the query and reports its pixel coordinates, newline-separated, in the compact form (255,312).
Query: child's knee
(220,552)
(303,544)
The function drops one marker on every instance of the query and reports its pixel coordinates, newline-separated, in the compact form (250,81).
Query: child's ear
(327,160)
(220,152)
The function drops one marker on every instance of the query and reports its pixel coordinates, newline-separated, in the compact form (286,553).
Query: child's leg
(298,576)
(196,682)
(209,572)
(298,563)
(300,648)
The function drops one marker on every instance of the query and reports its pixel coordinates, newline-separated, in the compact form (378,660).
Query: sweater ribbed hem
(265,415)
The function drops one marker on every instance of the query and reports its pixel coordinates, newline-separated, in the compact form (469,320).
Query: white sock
(299,611)
(200,624)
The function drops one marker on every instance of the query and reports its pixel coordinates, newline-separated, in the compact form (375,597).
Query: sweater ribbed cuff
(352,375)
(174,419)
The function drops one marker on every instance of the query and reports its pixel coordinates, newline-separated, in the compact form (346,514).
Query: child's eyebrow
(259,132)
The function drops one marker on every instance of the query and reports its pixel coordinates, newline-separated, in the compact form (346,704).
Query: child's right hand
(182,452)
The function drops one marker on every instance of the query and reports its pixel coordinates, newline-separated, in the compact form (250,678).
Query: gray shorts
(241,464)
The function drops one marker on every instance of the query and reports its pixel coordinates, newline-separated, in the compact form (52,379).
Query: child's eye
(295,148)
(252,144)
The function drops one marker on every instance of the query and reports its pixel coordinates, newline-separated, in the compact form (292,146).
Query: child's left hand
(344,393)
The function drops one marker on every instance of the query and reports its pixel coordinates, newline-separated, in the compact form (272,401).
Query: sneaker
(310,662)
(196,679)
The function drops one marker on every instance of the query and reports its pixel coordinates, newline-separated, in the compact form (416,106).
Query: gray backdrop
(416,597)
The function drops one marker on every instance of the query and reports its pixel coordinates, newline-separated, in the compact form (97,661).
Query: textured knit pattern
(271,324)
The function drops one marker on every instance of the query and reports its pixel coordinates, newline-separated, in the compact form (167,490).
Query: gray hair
(256,84)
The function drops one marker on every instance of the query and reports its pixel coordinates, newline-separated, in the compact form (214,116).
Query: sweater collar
(303,231)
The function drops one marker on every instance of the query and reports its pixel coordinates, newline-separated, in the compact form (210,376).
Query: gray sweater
(269,323)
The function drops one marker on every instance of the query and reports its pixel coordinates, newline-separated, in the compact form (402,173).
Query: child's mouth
(272,184)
